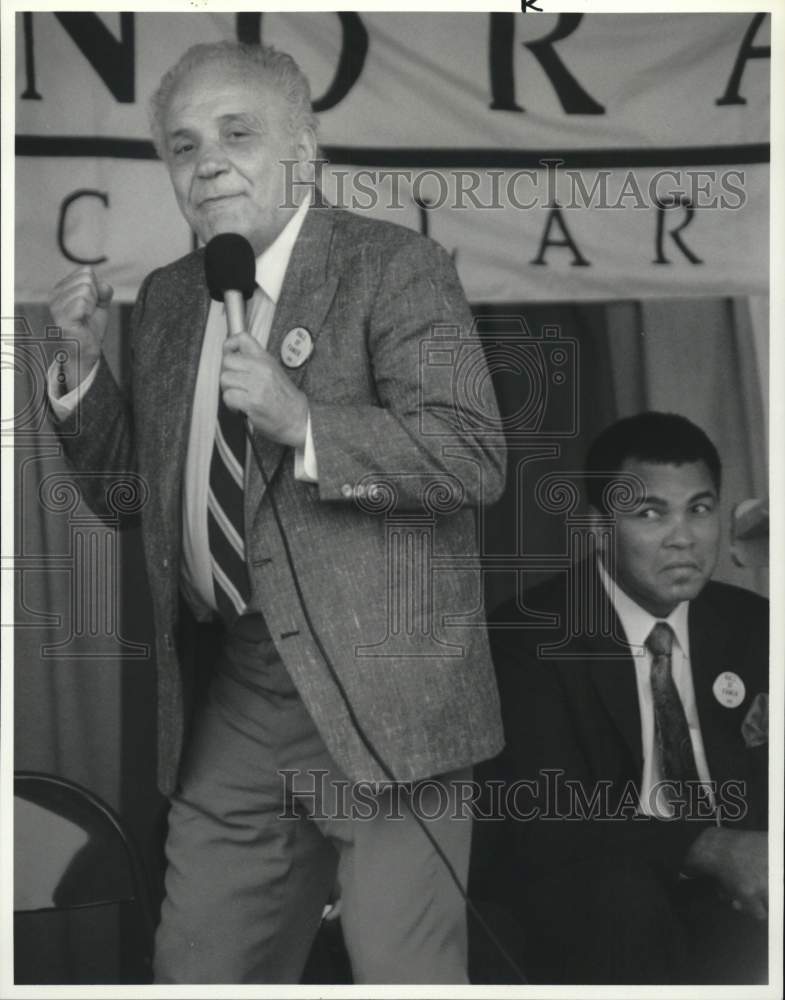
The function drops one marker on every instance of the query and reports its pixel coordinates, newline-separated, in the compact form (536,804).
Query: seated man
(636,849)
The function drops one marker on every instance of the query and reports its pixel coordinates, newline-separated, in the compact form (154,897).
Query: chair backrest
(72,852)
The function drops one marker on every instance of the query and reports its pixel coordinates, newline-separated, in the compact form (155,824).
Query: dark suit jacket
(384,410)
(576,712)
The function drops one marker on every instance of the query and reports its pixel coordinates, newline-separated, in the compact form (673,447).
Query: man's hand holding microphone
(252,380)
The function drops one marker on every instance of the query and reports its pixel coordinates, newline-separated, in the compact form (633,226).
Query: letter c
(64,208)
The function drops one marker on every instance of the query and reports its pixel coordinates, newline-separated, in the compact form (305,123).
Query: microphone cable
(364,737)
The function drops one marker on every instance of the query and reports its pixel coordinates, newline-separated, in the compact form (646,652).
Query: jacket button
(346,490)
(165,563)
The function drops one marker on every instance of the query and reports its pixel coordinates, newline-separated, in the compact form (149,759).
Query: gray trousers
(260,828)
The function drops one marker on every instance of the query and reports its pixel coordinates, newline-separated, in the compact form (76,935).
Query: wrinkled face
(667,548)
(226,133)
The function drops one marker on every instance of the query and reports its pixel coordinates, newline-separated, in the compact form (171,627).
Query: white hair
(270,65)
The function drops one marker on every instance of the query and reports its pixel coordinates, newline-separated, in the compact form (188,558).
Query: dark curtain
(555,393)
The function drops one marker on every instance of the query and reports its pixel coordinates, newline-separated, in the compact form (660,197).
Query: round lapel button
(728,689)
(297,347)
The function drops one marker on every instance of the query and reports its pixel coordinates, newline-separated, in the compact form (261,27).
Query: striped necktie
(225,513)
(674,744)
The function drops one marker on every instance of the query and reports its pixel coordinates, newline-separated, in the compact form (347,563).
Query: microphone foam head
(229,265)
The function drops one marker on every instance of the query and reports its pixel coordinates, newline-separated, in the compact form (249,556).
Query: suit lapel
(612,670)
(171,384)
(720,727)
(306,295)
(615,681)
(596,639)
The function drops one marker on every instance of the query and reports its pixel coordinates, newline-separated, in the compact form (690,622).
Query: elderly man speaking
(285,461)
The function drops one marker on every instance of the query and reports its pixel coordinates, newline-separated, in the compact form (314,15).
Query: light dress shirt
(196,573)
(637,624)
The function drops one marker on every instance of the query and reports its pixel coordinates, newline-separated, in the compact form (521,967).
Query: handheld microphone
(230,271)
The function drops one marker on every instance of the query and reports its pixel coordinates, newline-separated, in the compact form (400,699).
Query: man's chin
(686,590)
(661,600)
(220,217)
(218,226)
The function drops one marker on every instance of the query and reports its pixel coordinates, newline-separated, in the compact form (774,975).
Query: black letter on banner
(502,40)
(573,98)
(66,204)
(354,48)
(422,210)
(423,207)
(554,217)
(746,51)
(113,61)
(662,207)
(30,92)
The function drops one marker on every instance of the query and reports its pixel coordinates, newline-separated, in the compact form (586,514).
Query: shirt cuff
(64,406)
(305,469)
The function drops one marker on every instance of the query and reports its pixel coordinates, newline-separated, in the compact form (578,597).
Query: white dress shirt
(271,265)
(637,624)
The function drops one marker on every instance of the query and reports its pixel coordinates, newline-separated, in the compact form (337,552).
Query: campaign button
(729,689)
(297,347)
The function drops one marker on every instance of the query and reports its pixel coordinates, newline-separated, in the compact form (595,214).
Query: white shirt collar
(637,622)
(271,263)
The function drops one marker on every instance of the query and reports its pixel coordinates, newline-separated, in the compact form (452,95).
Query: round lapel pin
(729,689)
(297,347)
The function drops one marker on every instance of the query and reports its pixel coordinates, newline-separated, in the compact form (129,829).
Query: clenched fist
(80,307)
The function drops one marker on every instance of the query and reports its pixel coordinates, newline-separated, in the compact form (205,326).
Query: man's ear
(305,150)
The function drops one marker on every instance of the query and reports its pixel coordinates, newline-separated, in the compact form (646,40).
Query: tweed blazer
(407,442)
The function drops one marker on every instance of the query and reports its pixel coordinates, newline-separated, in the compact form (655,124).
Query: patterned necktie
(225,518)
(674,745)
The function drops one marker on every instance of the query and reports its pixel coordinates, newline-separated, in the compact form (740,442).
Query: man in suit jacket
(362,460)
(628,860)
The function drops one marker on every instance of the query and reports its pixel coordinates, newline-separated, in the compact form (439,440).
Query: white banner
(556,156)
